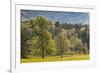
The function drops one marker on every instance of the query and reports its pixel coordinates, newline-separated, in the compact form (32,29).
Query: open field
(56,58)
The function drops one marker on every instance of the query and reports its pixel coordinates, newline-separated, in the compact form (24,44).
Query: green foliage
(26,34)
(62,43)
(50,48)
(40,26)
(77,44)
(43,38)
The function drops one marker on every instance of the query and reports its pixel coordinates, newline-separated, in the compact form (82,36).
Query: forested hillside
(42,38)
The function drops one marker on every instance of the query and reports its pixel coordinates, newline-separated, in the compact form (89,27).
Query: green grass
(56,58)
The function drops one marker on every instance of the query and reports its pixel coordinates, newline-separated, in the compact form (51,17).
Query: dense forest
(43,38)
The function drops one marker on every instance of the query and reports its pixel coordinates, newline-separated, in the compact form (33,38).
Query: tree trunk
(42,52)
(42,46)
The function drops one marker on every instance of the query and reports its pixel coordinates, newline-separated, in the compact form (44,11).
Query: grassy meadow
(56,58)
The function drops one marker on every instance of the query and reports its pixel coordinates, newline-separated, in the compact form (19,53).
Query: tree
(85,49)
(62,43)
(40,26)
(84,35)
(77,44)
(26,34)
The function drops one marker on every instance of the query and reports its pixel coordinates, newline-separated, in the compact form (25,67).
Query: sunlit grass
(56,58)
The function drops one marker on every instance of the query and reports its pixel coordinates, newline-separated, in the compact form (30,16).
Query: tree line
(42,38)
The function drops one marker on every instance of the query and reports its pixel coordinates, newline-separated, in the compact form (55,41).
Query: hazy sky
(68,17)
